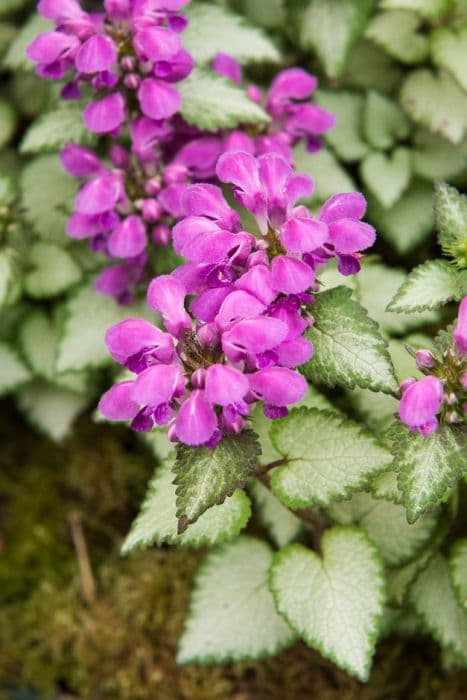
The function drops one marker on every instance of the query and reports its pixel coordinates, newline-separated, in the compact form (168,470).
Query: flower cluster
(136,200)
(293,116)
(130,55)
(443,392)
(243,334)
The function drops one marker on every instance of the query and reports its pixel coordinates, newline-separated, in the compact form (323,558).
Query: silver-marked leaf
(458,571)
(384,122)
(437,102)
(157,520)
(346,138)
(386,525)
(15,58)
(449,50)
(431,9)
(50,409)
(13,371)
(435,158)
(211,102)
(53,270)
(47,196)
(87,317)
(213,29)
(205,476)
(397,33)
(409,221)
(10,277)
(326,458)
(429,286)
(331,28)
(434,600)
(450,209)
(50,131)
(348,347)
(334,602)
(282,525)
(427,466)
(387,176)
(232,614)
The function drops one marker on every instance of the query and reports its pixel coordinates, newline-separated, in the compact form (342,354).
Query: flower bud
(424,359)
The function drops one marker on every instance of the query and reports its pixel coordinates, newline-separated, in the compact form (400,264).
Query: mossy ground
(78,621)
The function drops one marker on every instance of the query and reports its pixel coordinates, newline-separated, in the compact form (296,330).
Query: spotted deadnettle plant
(251,301)
(130,55)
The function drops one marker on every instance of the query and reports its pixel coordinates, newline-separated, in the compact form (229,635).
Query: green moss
(119,643)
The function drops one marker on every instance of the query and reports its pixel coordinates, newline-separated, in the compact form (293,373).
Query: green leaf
(369,67)
(51,130)
(88,315)
(7,34)
(10,287)
(386,526)
(232,615)
(384,122)
(327,457)
(47,197)
(346,138)
(212,29)
(387,177)
(15,58)
(331,28)
(429,286)
(431,9)
(7,123)
(458,571)
(54,270)
(38,339)
(212,102)
(434,600)
(205,476)
(437,102)
(157,520)
(348,348)
(282,525)
(269,16)
(13,371)
(329,176)
(397,33)
(378,283)
(449,50)
(409,221)
(427,466)
(434,158)
(334,602)
(7,190)
(450,207)
(50,409)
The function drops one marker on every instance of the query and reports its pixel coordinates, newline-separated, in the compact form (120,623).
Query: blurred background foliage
(75,618)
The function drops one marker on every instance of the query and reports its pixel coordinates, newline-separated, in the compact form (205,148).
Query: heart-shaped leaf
(334,602)
(387,176)
(54,270)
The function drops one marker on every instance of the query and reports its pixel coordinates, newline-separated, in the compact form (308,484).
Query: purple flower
(145,59)
(294,117)
(421,402)
(460,331)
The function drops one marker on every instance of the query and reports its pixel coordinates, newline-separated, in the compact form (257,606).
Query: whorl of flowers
(242,336)
(130,55)
(442,394)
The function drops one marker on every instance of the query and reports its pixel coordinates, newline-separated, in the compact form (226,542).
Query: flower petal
(117,404)
(225,385)
(196,420)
